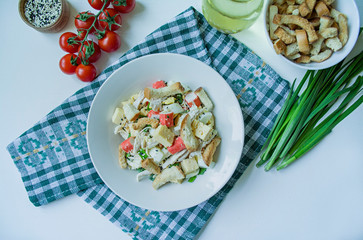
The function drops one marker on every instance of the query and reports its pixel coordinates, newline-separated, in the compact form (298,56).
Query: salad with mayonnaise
(169,133)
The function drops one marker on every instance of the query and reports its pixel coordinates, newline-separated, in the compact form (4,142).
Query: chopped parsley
(179,98)
(142,154)
(202,171)
(192,179)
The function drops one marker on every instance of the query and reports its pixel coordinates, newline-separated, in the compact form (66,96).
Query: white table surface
(318,197)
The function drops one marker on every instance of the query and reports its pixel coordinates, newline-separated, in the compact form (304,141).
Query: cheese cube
(169,100)
(202,130)
(131,112)
(163,135)
(190,167)
(118,116)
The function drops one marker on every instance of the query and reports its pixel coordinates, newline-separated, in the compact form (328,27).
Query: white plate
(130,79)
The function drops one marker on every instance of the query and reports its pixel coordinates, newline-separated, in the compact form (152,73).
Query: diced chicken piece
(139,100)
(174,107)
(174,158)
(163,135)
(142,175)
(174,173)
(156,154)
(190,167)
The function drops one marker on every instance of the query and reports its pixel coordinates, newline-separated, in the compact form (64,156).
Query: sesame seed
(42,13)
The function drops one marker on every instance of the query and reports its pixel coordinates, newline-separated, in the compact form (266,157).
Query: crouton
(325,22)
(190,141)
(291,49)
(303,59)
(203,96)
(122,157)
(304,9)
(202,130)
(333,43)
(321,56)
(343,29)
(190,167)
(284,36)
(118,116)
(163,135)
(297,20)
(152,93)
(273,10)
(279,46)
(321,9)
(302,41)
(329,32)
(131,112)
(310,4)
(150,165)
(316,46)
(174,173)
(142,122)
(209,150)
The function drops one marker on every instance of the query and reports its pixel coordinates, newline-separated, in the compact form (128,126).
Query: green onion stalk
(309,114)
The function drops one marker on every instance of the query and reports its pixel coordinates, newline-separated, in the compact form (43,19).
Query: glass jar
(231,16)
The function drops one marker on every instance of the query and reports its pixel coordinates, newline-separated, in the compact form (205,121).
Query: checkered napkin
(53,159)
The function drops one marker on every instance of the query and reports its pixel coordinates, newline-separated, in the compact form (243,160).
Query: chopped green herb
(179,98)
(152,177)
(175,164)
(140,169)
(148,107)
(128,155)
(142,154)
(129,135)
(202,171)
(192,179)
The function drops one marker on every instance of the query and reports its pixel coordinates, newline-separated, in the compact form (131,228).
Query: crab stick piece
(192,98)
(159,84)
(153,114)
(128,144)
(167,119)
(177,146)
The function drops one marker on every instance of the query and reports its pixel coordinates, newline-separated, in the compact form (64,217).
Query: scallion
(309,115)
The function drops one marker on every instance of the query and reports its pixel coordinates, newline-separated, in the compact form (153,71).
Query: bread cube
(190,167)
(163,135)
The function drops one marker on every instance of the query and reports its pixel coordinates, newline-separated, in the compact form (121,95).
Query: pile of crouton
(306,31)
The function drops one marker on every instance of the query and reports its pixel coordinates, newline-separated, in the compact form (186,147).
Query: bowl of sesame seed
(44,15)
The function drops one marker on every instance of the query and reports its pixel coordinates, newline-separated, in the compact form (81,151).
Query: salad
(169,133)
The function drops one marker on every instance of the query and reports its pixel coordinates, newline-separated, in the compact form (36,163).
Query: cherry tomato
(110,42)
(86,73)
(110,19)
(98,4)
(68,63)
(91,52)
(123,6)
(69,42)
(84,21)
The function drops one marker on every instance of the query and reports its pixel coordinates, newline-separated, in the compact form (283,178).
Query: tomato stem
(87,33)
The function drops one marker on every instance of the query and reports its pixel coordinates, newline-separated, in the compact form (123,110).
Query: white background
(318,197)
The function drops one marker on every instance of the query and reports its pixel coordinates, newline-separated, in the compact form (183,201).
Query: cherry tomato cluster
(81,48)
